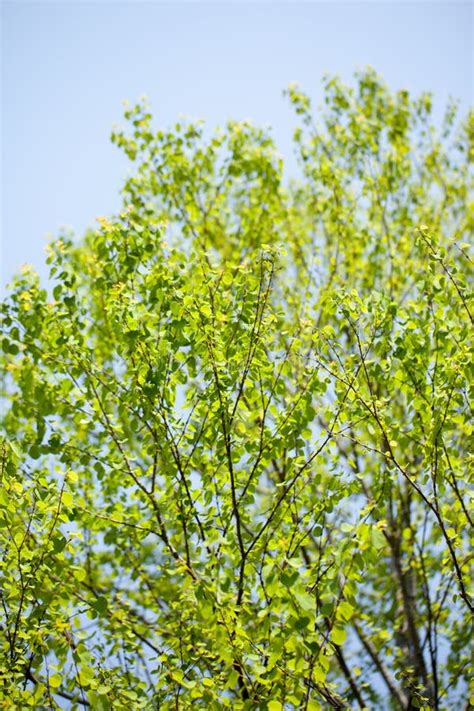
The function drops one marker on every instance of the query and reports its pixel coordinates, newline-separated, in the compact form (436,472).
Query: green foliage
(234,468)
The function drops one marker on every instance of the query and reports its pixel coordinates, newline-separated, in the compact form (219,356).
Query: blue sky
(67,66)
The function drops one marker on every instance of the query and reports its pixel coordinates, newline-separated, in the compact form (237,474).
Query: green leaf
(338,635)
(275,706)
(55,681)
(100,605)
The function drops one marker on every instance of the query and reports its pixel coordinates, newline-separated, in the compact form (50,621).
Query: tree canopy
(236,423)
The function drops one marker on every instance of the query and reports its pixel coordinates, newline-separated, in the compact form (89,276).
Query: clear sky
(67,66)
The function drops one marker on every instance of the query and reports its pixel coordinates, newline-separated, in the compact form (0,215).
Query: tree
(236,424)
